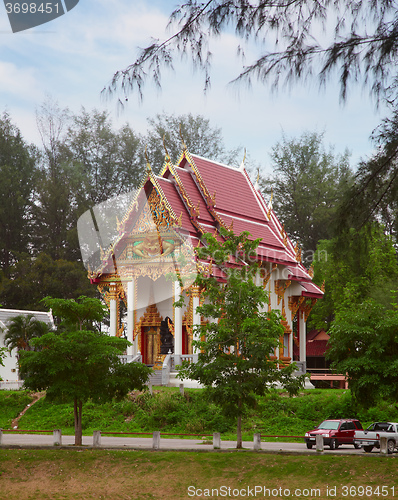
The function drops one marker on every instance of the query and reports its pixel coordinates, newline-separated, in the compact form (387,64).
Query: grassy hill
(166,410)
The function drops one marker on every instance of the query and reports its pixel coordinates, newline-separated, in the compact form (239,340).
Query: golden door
(152,345)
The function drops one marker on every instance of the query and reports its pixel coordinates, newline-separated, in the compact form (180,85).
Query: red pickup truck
(335,433)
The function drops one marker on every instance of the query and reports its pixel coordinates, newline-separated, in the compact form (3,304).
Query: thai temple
(153,240)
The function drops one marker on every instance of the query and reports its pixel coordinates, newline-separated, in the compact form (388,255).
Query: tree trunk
(239,433)
(78,406)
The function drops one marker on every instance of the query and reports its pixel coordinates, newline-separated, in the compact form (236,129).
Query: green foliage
(11,404)
(308,183)
(33,278)
(291,41)
(235,359)
(80,365)
(362,266)
(364,344)
(106,162)
(201,138)
(54,211)
(77,314)
(374,196)
(191,413)
(17,176)
(3,354)
(166,410)
(360,272)
(22,329)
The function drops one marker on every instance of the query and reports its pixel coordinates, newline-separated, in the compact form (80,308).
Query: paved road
(38,440)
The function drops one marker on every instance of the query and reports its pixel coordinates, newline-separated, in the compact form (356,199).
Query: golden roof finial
(167,156)
(148,165)
(256,185)
(184,146)
(242,165)
(284,235)
(270,204)
(297,250)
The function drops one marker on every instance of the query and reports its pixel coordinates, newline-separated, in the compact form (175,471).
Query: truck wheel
(368,448)
(309,446)
(390,446)
(333,444)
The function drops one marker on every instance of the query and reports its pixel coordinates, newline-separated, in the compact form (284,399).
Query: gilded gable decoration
(306,307)
(266,275)
(297,250)
(280,288)
(151,317)
(295,303)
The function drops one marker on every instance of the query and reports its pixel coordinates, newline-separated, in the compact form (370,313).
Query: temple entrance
(148,332)
(150,343)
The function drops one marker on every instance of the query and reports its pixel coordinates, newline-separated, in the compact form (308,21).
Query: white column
(303,335)
(130,317)
(290,321)
(177,321)
(274,303)
(258,282)
(113,310)
(196,316)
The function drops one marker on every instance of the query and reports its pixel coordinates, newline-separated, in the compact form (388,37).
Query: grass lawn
(101,474)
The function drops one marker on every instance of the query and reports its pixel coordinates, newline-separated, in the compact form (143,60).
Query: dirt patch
(36,396)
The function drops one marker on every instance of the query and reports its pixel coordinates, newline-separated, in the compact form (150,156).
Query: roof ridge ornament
(242,165)
(148,165)
(270,204)
(167,156)
(297,251)
(184,146)
(256,185)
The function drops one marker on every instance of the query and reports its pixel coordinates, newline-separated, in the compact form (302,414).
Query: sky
(72,58)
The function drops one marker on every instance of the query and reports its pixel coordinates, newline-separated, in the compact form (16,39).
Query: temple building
(154,240)
(9,371)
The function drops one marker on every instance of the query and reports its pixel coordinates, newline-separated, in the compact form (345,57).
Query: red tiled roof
(223,181)
(298,273)
(275,255)
(311,290)
(207,194)
(194,194)
(256,230)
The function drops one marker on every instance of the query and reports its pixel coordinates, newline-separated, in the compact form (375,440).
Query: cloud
(18,82)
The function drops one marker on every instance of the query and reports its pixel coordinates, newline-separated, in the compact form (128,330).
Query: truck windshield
(328,424)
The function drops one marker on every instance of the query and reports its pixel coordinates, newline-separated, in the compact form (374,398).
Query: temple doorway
(151,344)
